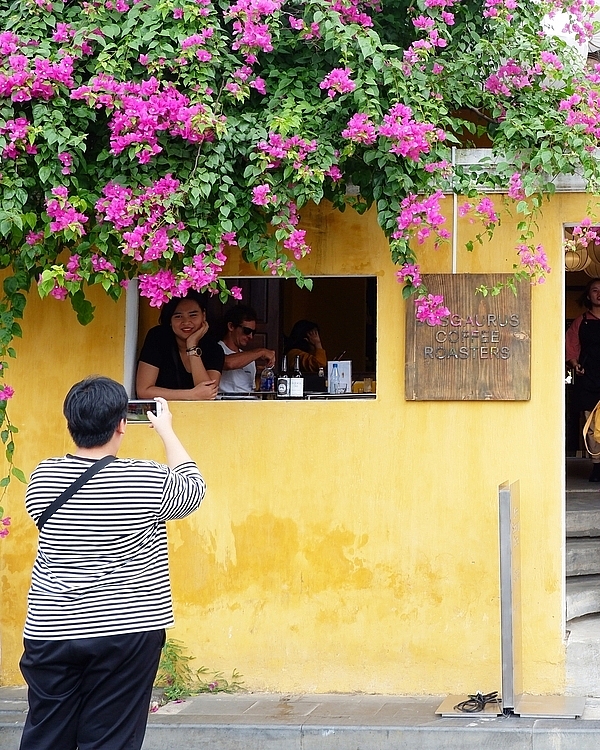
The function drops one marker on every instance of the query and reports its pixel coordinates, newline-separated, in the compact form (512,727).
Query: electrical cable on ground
(476,703)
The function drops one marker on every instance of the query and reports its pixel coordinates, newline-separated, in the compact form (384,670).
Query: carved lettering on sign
(481,351)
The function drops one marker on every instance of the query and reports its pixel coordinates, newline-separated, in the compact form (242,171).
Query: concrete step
(583,513)
(583,656)
(338,722)
(583,595)
(583,556)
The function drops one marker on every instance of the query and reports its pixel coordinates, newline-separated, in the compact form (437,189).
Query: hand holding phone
(137,410)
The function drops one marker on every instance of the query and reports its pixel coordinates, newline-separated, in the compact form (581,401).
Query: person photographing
(100,595)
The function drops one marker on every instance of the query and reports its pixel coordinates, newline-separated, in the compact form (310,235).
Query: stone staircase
(583,580)
(583,541)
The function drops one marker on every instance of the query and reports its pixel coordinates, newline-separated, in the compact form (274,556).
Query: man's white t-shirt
(241,380)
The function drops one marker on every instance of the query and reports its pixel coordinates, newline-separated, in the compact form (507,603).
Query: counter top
(261,396)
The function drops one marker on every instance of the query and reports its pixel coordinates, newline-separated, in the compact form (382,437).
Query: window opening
(345,309)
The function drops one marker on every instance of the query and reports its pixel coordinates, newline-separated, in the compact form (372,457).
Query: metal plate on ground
(447,708)
(549,706)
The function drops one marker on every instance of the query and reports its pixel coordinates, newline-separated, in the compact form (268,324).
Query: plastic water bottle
(267,380)
(334,380)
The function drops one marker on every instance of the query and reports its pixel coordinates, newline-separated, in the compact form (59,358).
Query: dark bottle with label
(283,382)
(297,381)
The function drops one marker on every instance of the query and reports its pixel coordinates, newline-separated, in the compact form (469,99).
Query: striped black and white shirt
(102,566)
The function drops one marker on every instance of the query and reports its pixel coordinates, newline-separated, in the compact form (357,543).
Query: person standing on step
(583,355)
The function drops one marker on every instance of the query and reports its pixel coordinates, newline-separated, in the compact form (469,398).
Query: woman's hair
(585,300)
(94,407)
(168,310)
(297,338)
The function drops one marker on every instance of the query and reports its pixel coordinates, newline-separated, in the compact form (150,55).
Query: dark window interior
(344,307)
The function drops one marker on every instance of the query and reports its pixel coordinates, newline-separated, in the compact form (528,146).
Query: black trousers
(89,693)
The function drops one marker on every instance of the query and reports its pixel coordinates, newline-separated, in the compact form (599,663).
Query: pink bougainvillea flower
(296,243)
(63,213)
(353,11)
(229,238)
(431,310)
(515,187)
(59,292)
(6,392)
(409,273)
(420,217)
(535,261)
(360,129)
(261,195)
(486,212)
(66,160)
(338,82)
(34,238)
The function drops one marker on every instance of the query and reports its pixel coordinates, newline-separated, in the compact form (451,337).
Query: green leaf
(19,474)
(83,308)
(111,31)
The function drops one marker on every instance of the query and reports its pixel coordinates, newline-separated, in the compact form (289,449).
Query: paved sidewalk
(251,721)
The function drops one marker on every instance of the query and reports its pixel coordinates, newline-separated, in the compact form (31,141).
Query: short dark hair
(237,314)
(94,407)
(168,310)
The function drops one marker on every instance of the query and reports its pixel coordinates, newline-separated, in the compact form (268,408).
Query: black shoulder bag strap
(72,489)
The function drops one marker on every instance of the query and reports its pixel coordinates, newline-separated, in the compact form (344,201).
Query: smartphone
(137,410)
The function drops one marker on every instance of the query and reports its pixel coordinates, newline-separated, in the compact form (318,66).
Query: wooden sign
(481,352)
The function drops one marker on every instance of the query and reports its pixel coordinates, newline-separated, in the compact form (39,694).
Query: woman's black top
(588,384)
(160,350)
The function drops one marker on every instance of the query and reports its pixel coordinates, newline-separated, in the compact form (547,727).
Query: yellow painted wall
(342,546)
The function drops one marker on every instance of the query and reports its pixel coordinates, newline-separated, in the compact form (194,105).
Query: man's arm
(241,359)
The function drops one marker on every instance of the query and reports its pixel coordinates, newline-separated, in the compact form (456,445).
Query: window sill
(307,397)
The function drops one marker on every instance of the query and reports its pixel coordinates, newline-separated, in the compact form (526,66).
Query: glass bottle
(283,382)
(297,381)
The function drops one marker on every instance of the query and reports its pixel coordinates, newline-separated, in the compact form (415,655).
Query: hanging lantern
(593,248)
(577,260)
(593,269)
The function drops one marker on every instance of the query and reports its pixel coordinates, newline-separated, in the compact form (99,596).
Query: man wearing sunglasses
(239,370)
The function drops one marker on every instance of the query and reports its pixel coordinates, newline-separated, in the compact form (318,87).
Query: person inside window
(583,355)
(177,361)
(239,374)
(305,341)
